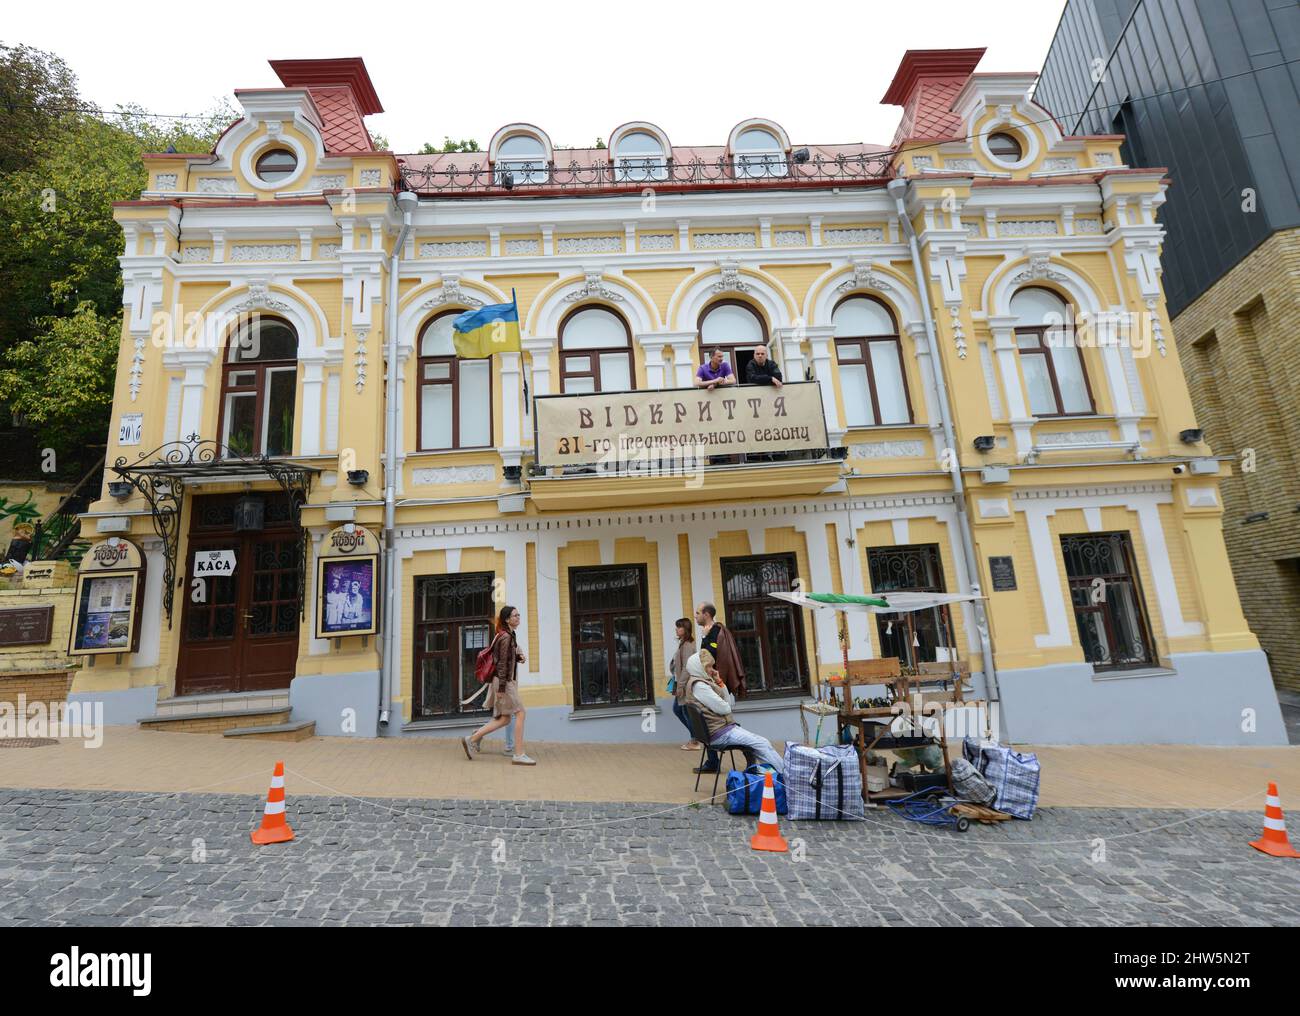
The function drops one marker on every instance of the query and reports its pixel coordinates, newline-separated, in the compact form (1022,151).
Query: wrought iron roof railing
(726,172)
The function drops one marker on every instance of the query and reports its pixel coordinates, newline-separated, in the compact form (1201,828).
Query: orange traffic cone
(1274,841)
(769,835)
(274,828)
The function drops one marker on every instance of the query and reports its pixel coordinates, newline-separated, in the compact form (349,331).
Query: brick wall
(47,687)
(1240,344)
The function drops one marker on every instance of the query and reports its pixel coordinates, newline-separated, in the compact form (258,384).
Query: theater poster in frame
(347,583)
(106,607)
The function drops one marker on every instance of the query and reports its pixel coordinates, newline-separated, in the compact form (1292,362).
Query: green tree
(38,97)
(449,145)
(60,383)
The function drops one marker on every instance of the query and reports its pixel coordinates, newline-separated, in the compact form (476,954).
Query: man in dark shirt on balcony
(763,371)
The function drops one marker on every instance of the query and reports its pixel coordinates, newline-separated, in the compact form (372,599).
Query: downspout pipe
(966,537)
(407,203)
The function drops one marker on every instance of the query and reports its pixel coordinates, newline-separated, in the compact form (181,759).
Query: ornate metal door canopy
(160,476)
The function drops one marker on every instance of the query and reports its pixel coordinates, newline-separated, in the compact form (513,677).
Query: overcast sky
(694,67)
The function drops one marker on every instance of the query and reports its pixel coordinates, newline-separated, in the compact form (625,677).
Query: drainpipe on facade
(407,203)
(966,537)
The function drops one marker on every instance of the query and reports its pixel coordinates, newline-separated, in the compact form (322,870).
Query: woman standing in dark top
(506,706)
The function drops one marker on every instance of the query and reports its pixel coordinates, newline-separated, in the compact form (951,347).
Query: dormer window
(276,165)
(523,156)
(758,154)
(640,156)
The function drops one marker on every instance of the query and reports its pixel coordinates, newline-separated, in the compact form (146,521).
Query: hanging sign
(214,562)
(106,606)
(347,581)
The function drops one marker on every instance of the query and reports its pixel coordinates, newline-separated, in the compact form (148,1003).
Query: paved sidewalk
(1117,776)
(103,858)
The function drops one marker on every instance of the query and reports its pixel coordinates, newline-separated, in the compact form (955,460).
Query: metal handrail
(725,171)
(67,510)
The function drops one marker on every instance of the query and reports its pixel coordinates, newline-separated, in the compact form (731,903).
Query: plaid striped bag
(1013,776)
(823,784)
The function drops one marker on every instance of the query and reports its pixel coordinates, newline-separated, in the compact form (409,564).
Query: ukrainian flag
(478,334)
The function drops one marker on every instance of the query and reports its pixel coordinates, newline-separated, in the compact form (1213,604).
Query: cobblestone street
(105,858)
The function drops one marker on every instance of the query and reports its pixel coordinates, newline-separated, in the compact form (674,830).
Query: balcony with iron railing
(441,177)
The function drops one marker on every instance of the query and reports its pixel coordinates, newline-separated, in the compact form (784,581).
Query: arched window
(1049,358)
(640,156)
(522,156)
(455,395)
(259,384)
(733,327)
(870,358)
(758,154)
(595,352)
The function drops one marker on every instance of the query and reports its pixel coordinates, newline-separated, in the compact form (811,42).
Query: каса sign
(684,422)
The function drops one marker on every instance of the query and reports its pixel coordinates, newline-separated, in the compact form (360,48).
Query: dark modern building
(1208,89)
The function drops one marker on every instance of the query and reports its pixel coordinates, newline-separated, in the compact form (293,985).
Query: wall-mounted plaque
(26,626)
(1002,570)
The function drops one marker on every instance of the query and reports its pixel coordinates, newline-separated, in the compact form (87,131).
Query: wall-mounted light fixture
(358,477)
(984,443)
(1192,435)
(120,489)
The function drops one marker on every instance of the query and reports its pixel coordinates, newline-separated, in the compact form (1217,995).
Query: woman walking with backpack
(506,706)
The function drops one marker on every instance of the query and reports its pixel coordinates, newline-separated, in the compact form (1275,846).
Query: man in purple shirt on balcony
(714,373)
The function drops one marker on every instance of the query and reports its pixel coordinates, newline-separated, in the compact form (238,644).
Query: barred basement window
(453,624)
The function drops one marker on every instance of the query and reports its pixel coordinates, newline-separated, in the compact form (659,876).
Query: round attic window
(1004,147)
(276,165)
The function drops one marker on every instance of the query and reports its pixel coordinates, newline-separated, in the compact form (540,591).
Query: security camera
(1179,470)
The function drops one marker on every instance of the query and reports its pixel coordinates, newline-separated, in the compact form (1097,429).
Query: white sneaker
(522,760)
(471,749)
(508,752)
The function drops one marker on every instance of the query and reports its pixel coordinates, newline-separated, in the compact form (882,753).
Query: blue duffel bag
(745,791)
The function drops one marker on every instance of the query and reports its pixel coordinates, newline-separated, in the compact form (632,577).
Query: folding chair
(700,732)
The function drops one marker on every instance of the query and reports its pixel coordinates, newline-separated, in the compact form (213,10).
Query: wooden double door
(240,632)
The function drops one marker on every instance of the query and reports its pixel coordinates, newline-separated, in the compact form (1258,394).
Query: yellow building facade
(976,310)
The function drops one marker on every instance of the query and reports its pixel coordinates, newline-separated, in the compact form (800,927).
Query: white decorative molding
(217,185)
(972,230)
(1073,437)
(1087,227)
(137,367)
(454,249)
(1202,497)
(1027,227)
(327,181)
(962,165)
(922,162)
(590,244)
(450,293)
(990,381)
(791,238)
(849,237)
(887,450)
(359,361)
(1157,330)
(593,288)
(863,278)
(196,255)
(1062,165)
(658,241)
(715,241)
(259,298)
(958,335)
(523,246)
(731,281)
(330,251)
(1103,159)
(1039,265)
(995,508)
(452,474)
(370,177)
(165,182)
(264,252)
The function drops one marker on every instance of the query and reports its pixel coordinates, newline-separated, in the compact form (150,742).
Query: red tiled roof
(341,126)
(925,85)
